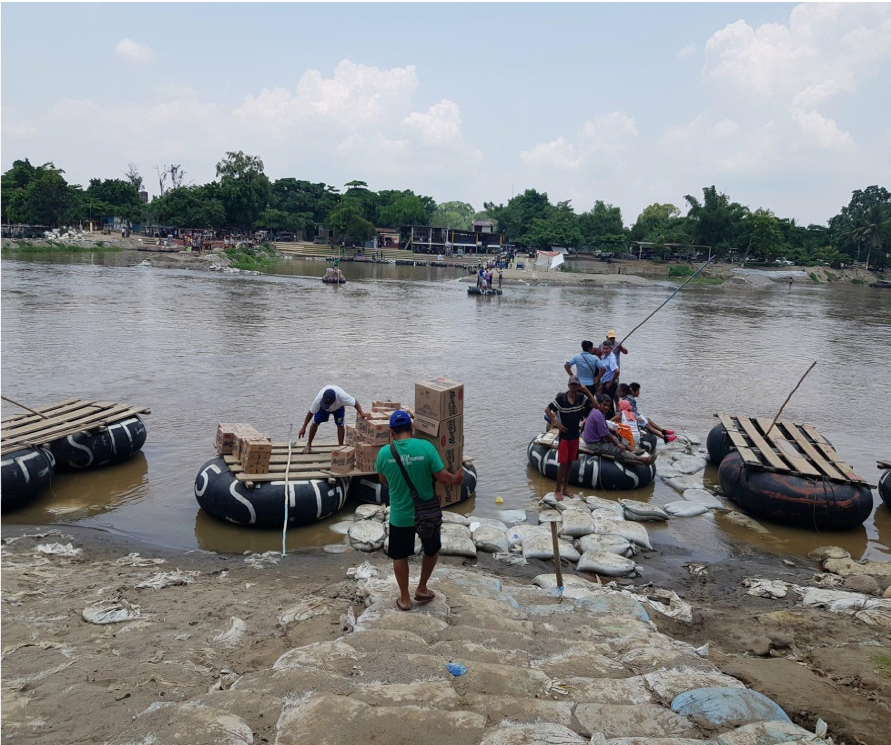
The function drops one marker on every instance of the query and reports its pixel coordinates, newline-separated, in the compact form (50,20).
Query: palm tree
(870,227)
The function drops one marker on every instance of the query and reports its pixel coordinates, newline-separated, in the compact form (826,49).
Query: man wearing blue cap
(331,400)
(422,465)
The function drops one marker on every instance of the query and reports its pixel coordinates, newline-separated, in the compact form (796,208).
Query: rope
(287,491)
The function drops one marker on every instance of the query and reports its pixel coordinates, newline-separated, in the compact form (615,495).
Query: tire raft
(224,497)
(885,487)
(114,444)
(794,500)
(25,473)
(593,471)
(368,490)
(718,444)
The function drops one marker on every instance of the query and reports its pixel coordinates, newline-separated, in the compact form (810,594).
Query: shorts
(322,416)
(402,543)
(568,450)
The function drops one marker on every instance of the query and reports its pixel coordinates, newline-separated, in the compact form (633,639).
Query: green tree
(405,210)
(515,218)
(245,190)
(349,225)
(456,215)
(40,196)
(842,225)
(716,220)
(189,207)
(363,200)
(559,228)
(115,197)
(871,229)
(764,237)
(655,218)
(602,220)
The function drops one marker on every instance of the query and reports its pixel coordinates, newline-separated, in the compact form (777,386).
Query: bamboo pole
(801,380)
(22,406)
(556,544)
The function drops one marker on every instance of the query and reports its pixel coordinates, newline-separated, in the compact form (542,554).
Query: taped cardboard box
(450,494)
(377,432)
(366,457)
(442,433)
(343,460)
(452,457)
(439,398)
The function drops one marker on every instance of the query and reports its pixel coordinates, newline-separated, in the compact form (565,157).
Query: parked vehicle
(783,262)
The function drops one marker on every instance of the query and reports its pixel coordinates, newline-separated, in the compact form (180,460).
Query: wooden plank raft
(314,465)
(796,449)
(60,420)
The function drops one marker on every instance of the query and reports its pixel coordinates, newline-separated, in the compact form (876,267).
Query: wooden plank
(46,410)
(816,458)
(826,448)
(72,421)
(350,474)
(321,475)
(728,422)
(68,414)
(764,449)
(100,419)
(787,448)
(883,463)
(742,447)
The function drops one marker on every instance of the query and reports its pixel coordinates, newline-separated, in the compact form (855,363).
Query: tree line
(242,197)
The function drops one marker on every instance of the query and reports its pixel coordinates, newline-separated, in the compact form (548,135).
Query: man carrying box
(422,465)
(330,400)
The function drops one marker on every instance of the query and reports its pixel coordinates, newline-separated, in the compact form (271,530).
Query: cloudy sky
(779,105)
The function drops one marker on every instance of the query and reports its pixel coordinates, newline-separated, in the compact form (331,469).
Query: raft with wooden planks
(590,470)
(885,481)
(74,434)
(225,491)
(788,473)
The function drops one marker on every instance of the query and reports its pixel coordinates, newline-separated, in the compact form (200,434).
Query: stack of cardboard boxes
(439,418)
(364,441)
(250,448)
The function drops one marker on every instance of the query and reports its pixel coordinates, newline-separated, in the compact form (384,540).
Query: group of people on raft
(600,410)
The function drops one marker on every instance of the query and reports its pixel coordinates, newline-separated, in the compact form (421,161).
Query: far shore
(582,271)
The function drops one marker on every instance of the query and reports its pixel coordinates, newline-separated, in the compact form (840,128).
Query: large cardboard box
(439,398)
(452,457)
(343,460)
(450,494)
(366,456)
(377,432)
(441,432)
(385,407)
(255,455)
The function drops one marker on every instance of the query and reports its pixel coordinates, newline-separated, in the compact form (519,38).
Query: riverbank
(239,642)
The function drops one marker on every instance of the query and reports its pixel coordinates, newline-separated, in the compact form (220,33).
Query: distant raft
(25,474)
(369,490)
(483,291)
(114,444)
(591,471)
(221,495)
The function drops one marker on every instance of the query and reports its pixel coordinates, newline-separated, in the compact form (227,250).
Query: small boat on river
(883,284)
(789,473)
(591,470)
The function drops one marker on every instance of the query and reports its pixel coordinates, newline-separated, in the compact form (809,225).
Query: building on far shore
(427,239)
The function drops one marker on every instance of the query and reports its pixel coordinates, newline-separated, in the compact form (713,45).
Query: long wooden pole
(556,544)
(663,304)
(766,434)
(22,406)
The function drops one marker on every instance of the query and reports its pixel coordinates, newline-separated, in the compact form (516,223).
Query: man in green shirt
(423,465)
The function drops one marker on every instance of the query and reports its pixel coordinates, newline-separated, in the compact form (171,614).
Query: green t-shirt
(421,461)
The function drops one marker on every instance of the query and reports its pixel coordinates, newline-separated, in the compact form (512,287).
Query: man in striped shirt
(572,406)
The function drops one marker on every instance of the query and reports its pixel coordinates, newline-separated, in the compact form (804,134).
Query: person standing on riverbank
(588,367)
(422,465)
(330,400)
(572,406)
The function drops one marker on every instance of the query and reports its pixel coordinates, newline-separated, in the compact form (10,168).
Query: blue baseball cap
(399,418)
(328,396)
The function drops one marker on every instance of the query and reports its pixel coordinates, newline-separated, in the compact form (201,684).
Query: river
(200,348)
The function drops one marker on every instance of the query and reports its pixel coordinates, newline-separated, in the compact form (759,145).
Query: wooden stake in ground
(788,397)
(22,406)
(557,559)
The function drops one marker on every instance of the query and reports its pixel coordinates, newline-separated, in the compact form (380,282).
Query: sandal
(306,450)
(399,605)
(424,599)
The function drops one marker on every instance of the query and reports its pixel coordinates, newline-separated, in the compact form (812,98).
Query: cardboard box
(377,432)
(350,437)
(452,457)
(439,398)
(343,460)
(228,436)
(366,456)
(385,406)
(448,494)
(442,433)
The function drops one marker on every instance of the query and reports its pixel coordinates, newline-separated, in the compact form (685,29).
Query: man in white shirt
(330,400)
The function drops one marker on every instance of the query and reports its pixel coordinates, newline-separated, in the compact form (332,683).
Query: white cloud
(19,131)
(599,141)
(134,51)
(822,132)
(440,126)
(688,51)
(558,154)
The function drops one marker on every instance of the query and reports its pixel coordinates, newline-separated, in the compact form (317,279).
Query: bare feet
(558,496)
(306,450)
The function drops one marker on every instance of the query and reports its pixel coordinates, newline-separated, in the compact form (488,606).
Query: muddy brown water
(199,348)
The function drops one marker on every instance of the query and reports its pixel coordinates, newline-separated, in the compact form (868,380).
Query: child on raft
(630,393)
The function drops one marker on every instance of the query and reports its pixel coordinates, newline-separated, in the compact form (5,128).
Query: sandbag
(641,511)
(512,517)
(577,523)
(366,535)
(727,707)
(370,511)
(599,503)
(519,533)
(682,508)
(612,544)
(687,464)
(682,483)
(769,733)
(532,734)
(550,516)
(490,540)
(541,547)
(703,497)
(454,517)
(457,541)
(606,564)
(475,522)
(634,532)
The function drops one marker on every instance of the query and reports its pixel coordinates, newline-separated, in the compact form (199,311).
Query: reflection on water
(202,348)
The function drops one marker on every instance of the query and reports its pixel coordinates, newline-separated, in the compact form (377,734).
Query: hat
(611,334)
(399,418)
(626,407)
(329,396)
(573,379)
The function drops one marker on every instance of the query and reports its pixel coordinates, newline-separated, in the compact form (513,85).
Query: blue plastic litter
(727,707)
(455,669)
